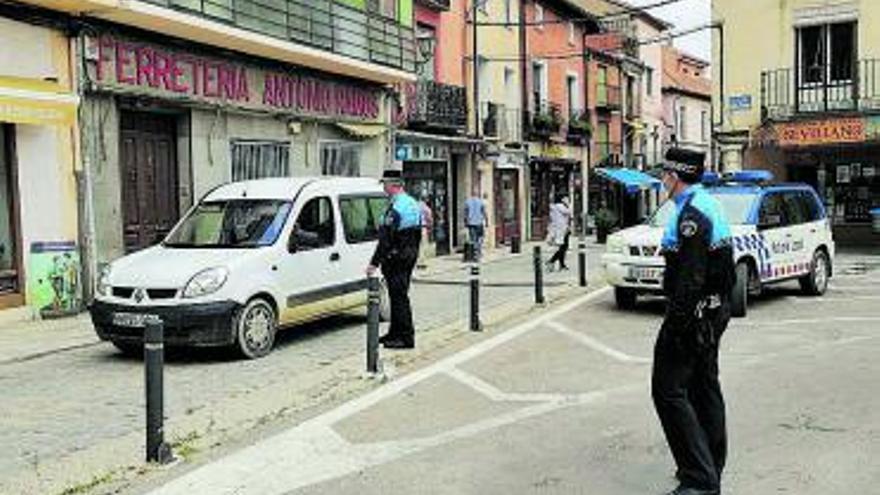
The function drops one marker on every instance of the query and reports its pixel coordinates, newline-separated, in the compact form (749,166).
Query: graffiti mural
(53,279)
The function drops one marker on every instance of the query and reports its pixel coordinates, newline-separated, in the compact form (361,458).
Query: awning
(20,104)
(363,131)
(633,180)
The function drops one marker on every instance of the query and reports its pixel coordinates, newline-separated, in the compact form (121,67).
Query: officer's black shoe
(385,338)
(684,490)
(398,344)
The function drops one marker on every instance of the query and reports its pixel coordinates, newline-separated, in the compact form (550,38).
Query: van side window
(772,214)
(361,217)
(314,227)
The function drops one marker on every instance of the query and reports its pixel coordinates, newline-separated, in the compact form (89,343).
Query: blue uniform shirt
(407,211)
(718,229)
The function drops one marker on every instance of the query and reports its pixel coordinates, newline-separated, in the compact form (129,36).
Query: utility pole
(476,69)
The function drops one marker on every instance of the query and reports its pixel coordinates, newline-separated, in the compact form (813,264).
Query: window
(508,14)
(539,16)
(571,33)
(425,69)
(827,53)
(682,124)
(602,140)
(602,85)
(259,159)
(314,227)
(795,209)
(538,87)
(811,206)
(772,212)
(387,8)
(361,217)
(341,159)
(649,81)
(239,223)
(571,84)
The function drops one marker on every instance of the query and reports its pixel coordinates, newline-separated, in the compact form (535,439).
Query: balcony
(544,122)
(608,97)
(440,107)
(579,128)
(325,24)
(842,88)
(441,5)
(502,123)
(608,154)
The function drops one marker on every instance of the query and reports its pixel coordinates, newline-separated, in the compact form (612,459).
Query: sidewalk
(23,339)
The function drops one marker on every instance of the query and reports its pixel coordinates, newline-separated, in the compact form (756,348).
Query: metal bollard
(539,276)
(373,301)
(154,362)
(476,325)
(515,244)
(582,260)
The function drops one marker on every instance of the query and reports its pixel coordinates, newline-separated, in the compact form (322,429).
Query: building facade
(39,173)
(801,100)
(687,102)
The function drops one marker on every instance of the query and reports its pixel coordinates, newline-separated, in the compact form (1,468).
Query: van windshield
(238,223)
(737,208)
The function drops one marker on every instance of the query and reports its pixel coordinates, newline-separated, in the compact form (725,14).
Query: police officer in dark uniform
(396,254)
(698,283)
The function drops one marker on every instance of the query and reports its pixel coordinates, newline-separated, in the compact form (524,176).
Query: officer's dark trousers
(398,274)
(688,399)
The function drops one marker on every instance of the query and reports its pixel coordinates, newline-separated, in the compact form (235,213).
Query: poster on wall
(53,278)
(843,174)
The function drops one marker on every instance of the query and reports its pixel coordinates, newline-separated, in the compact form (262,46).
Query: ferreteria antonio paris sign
(139,68)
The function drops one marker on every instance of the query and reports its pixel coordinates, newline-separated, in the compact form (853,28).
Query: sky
(687,14)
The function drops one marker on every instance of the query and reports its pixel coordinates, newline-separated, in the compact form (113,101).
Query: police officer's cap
(392,176)
(687,164)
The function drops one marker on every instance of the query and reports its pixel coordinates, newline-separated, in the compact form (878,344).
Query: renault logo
(139,295)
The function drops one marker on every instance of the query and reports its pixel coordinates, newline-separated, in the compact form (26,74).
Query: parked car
(780,232)
(249,258)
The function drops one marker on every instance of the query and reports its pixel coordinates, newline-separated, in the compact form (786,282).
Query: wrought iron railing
(439,106)
(820,88)
(326,24)
(436,4)
(544,122)
(502,123)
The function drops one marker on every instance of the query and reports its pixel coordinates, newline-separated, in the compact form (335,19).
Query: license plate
(645,273)
(131,320)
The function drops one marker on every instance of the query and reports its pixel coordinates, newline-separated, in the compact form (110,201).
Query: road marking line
(781,323)
(813,300)
(300,456)
(497,395)
(597,345)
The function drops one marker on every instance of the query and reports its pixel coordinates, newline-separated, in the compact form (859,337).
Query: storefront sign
(151,70)
(740,103)
(833,131)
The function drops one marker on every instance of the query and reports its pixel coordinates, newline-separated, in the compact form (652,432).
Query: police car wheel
(625,298)
(816,282)
(256,326)
(740,298)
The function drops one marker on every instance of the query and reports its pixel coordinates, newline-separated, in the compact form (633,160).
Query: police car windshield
(239,223)
(736,206)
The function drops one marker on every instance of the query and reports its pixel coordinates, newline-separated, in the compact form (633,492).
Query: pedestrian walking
(698,283)
(427,226)
(476,221)
(559,234)
(396,254)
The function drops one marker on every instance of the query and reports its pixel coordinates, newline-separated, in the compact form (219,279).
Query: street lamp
(426,43)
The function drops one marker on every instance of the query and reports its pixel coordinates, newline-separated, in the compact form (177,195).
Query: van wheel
(624,298)
(130,349)
(384,301)
(739,300)
(816,282)
(256,326)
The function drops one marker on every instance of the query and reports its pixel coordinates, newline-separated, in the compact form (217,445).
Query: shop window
(260,159)
(341,159)
(314,227)
(361,217)
(827,53)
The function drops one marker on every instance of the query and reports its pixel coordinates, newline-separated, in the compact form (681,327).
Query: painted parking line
(312,452)
(825,300)
(596,345)
(804,321)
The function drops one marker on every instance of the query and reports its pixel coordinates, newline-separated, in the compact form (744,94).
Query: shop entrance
(550,181)
(149,171)
(506,205)
(428,181)
(10,243)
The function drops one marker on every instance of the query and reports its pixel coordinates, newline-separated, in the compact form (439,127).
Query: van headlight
(206,282)
(615,245)
(104,287)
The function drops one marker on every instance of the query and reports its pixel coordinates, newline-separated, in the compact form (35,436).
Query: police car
(780,232)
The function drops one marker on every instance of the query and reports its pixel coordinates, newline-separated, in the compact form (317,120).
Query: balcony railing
(326,24)
(607,97)
(818,89)
(443,5)
(544,122)
(502,123)
(439,106)
(579,128)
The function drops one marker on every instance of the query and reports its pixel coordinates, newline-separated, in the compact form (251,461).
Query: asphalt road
(561,404)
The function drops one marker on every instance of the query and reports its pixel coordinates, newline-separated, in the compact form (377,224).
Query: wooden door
(149,178)
(506,205)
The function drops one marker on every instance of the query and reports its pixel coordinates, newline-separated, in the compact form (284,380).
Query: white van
(249,258)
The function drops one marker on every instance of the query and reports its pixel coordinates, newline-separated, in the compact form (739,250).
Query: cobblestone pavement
(77,412)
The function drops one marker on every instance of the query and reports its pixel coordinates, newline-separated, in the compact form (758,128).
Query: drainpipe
(720,124)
